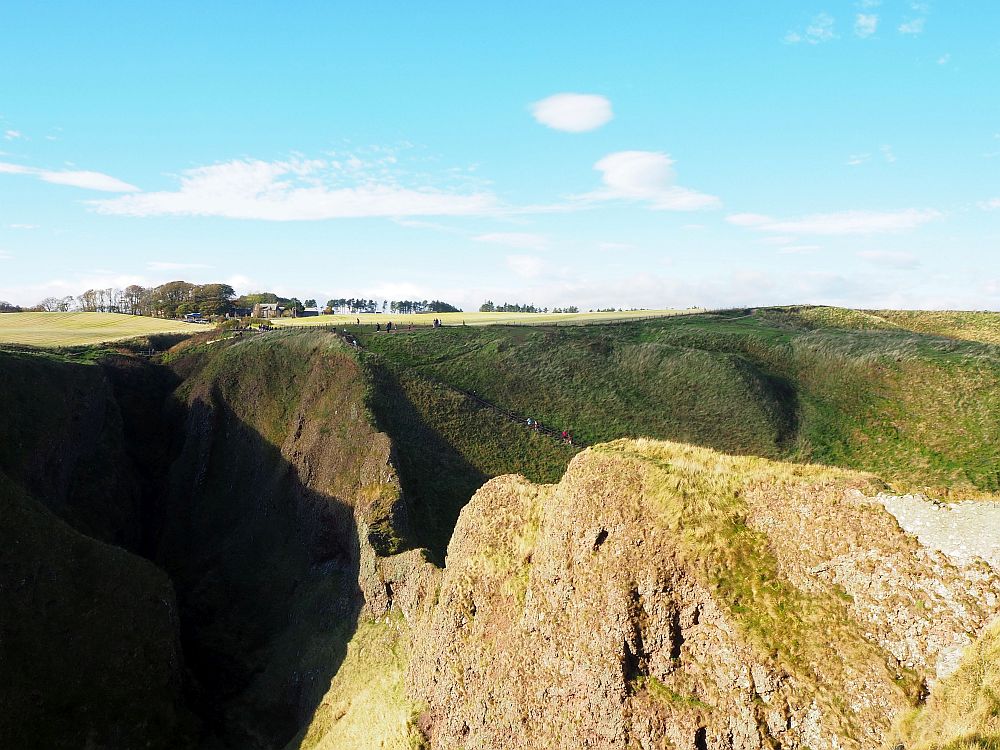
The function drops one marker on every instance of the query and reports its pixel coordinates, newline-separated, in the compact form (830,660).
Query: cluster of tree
(406,306)
(396,307)
(352,306)
(488,306)
(8,307)
(175,299)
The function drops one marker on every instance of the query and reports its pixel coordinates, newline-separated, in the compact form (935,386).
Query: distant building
(267,310)
(309,312)
(193,316)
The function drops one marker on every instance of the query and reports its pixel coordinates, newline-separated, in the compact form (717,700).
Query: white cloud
(991,205)
(74,178)
(573,113)
(295,190)
(944,59)
(887,153)
(856,159)
(890,258)
(646,176)
(525,266)
(821,29)
(841,223)
(748,220)
(865,24)
(166,265)
(23,226)
(4,255)
(913,26)
(11,135)
(522,240)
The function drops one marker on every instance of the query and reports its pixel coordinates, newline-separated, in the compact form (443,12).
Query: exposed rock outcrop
(662,592)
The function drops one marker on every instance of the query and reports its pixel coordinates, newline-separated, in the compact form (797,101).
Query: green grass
(479,319)
(44,329)
(814,385)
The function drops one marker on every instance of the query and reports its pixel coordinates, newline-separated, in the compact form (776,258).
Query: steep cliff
(666,593)
(89,638)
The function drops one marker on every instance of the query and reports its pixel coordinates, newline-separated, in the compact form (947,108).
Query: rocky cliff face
(666,593)
(90,654)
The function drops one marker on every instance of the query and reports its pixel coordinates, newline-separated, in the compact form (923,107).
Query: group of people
(534,424)
(389,327)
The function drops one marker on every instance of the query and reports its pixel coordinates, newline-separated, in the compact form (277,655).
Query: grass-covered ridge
(808,384)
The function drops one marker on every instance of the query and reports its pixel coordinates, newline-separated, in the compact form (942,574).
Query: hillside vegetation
(813,385)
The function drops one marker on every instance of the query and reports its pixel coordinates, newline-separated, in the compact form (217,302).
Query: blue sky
(597,154)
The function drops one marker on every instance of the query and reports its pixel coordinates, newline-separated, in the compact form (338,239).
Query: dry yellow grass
(48,329)
(963,712)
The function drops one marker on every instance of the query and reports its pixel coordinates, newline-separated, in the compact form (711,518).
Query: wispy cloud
(855,160)
(75,178)
(573,113)
(12,135)
(887,153)
(865,24)
(912,26)
(522,240)
(23,226)
(820,29)
(890,259)
(647,177)
(295,190)
(944,59)
(4,255)
(841,223)
(166,265)
(993,204)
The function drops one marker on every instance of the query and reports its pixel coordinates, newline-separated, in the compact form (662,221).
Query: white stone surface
(963,531)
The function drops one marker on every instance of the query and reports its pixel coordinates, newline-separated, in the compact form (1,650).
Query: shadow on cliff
(436,478)
(266,572)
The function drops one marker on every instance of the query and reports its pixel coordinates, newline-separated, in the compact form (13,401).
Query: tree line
(175,299)
(507,307)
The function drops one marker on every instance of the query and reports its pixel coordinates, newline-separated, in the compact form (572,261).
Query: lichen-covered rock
(669,596)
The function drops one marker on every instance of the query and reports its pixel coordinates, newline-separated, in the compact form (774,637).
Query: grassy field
(482,319)
(46,329)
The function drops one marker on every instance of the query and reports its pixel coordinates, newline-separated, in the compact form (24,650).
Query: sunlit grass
(49,329)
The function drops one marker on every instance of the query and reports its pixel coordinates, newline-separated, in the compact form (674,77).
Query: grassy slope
(367,705)
(447,446)
(83,328)
(921,410)
(963,712)
(480,319)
